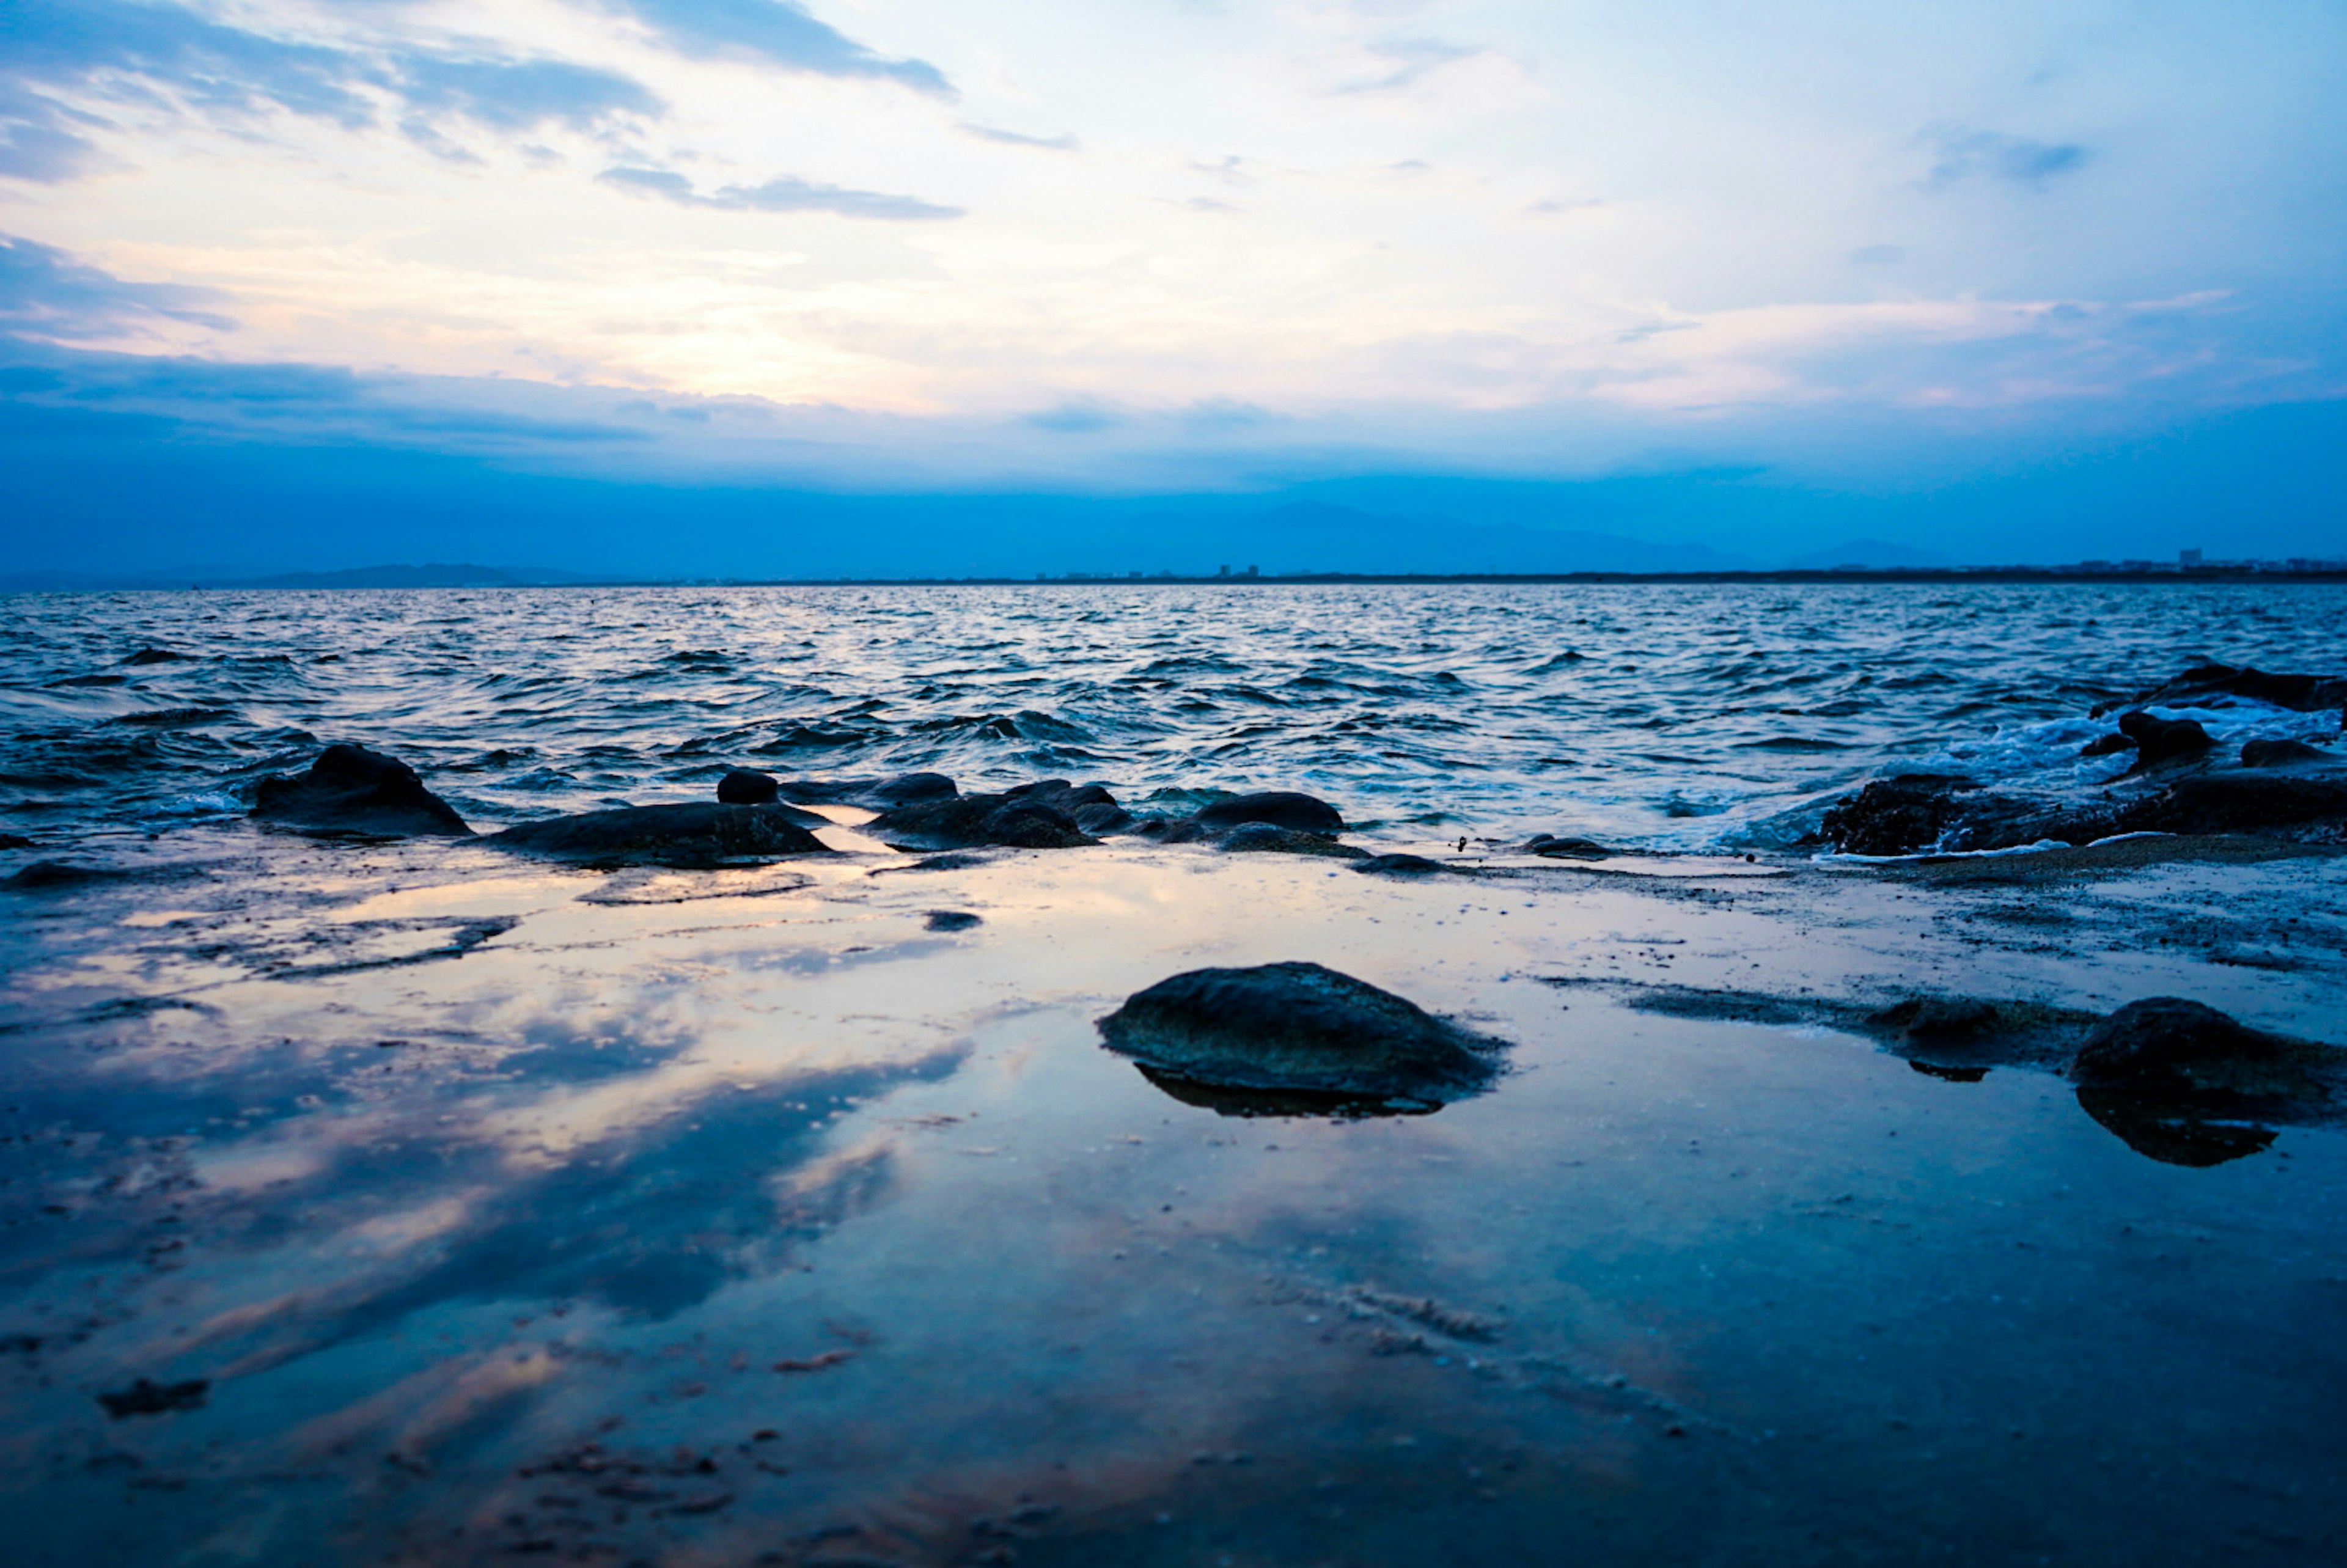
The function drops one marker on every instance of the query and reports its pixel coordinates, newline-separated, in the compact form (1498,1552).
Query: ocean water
(1660,716)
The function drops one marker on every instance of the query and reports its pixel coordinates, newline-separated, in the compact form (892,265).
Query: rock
(2106,746)
(149,1398)
(1895,815)
(1262,838)
(1277,808)
(873,794)
(1101,818)
(1558,848)
(350,789)
(1937,1018)
(1299,1028)
(155,656)
(748,787)
(2160,739)
(1400,865)
(2301,693)
(952,920)
(1039,815)
(2306,808)
(693,834)
(46,874)
(2169,1046)
(2280,754)
(15,841)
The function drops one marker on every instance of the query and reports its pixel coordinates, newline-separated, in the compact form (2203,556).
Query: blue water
(1676,717)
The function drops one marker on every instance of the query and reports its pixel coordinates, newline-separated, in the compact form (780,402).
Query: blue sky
(1998,281)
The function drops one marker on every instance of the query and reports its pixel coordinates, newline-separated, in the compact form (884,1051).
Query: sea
(1656,716)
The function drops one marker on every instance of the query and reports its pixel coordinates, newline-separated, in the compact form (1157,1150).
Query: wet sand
(758,1216)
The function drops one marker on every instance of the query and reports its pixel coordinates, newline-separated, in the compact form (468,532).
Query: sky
(2000,280)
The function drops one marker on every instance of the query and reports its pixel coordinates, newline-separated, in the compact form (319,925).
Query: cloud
(1967,155)
(1062,143)
(776,31)
(1412,61)
(47,293)
(152,55)
(784,194)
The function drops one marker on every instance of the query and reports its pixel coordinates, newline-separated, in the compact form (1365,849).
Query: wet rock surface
(2170,1045)
(2282,753)
(1400,865)
(871,794)
(1914,815)
(1039,815)
(2158,740)
(1299,1028)
(686,835)
(1263,839)
(2301,693)
(349,789)
(748,787)
(1555,847)
(1289,809)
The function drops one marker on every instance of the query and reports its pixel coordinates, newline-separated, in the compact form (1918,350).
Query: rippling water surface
(1673,716)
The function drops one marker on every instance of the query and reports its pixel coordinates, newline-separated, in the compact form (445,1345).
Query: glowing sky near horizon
(1472,230)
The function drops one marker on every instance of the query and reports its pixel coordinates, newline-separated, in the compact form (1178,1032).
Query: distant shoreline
(1944,576)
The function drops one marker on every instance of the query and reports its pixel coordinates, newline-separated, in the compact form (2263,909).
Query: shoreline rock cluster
(2178,783)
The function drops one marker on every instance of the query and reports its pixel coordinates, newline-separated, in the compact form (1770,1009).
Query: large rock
(2281,753)
(696,832)
(2167,1045)
(2307,808)
(2158,740)
(1899,816)
(1039,815)
(1276,808)
(1262,838)
(1911,815)
(1299,1028)
(350,789)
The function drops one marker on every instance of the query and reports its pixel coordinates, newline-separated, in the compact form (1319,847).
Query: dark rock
(1100,818)
(873,794)
(1895,815)
(2280,754)
(148,1398)
(2301,693)
(1400,865)
(1278,808)
(155,656)
(15,841)
(1561,848)
(1297,1027)
(693,834)
(1262,838)
(2106,746)
(2310,809)
(2168,1046)
(46,874)
(2160,739)
(748,787)
(350,789)
(1938,1018)
(952,920)
(1947,1074)
(1039,815)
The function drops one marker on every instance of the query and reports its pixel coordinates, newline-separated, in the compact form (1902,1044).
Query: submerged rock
(2167,1045)
(1556,847)
(1039,815)
(1262,838)
(2280,754)
(350,789)
(693,834)
(146,1398)
(2301,693)
(1400,865)
(2158,740)
(873,794)
(155,656)
(15,841)
(1276,808)
(952,920)
(748,787)
(1299,1028)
